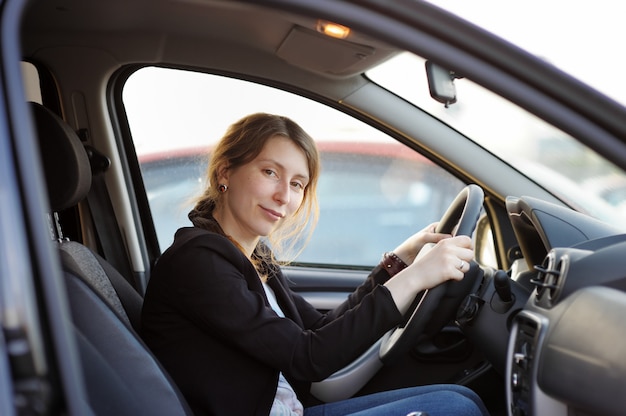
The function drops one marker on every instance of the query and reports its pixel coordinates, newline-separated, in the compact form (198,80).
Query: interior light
(333,29)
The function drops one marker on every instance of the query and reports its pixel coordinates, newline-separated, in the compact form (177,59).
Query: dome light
(332,29)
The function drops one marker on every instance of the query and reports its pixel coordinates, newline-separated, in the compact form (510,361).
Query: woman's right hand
(447,260)
(410,248)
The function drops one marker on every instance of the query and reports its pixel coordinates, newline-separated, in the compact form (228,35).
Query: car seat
(121,375)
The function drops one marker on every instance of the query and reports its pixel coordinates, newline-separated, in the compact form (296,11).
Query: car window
(373,191)
(569,170)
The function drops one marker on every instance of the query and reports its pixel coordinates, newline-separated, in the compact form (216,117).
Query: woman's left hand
(408,250)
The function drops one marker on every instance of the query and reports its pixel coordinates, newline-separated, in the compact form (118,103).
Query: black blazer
(207,319)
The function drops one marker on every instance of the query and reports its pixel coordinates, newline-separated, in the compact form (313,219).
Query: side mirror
(441,83)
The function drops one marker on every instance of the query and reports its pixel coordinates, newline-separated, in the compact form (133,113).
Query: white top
(286,402)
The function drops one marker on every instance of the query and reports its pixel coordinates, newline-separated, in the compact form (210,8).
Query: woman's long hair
(244,140)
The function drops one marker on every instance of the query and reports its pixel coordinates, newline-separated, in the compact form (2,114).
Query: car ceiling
(173,27)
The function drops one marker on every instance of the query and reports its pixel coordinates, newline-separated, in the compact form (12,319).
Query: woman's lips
(274,215)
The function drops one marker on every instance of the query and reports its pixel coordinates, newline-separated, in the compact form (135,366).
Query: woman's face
(263,192)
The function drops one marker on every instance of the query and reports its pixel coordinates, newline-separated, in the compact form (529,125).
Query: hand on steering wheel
(459,219)
(448,259)
(422,239)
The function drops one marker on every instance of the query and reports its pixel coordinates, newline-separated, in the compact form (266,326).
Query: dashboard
(563,314)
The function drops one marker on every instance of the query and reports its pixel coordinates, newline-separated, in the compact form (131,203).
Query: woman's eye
(270,172)
(297,185)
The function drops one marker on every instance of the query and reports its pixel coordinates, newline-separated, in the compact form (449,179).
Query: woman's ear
(222,174)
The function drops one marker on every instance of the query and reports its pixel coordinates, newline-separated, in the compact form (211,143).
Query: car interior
(535,326)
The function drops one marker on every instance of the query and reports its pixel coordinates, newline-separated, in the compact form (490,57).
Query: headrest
(65,160)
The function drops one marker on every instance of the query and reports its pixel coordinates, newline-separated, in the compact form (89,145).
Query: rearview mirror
(441,83)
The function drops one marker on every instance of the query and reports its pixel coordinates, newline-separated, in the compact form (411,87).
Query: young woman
(221,318)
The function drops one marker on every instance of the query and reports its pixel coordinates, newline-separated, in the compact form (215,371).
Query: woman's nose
(282,192)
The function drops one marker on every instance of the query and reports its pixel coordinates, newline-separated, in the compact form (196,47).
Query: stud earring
(222,188)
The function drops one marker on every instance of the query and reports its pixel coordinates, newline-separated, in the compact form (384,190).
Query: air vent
(549,278)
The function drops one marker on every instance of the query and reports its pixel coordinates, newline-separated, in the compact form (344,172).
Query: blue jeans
(435,400)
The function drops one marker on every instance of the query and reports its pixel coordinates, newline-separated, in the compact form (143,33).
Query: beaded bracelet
(392,263)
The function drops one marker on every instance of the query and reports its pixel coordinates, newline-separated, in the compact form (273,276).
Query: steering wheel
(434,308)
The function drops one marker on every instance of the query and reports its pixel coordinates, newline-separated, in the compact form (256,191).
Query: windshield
(572,172)
(585,39)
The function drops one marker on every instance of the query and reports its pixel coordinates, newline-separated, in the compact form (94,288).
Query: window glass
(373,191)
